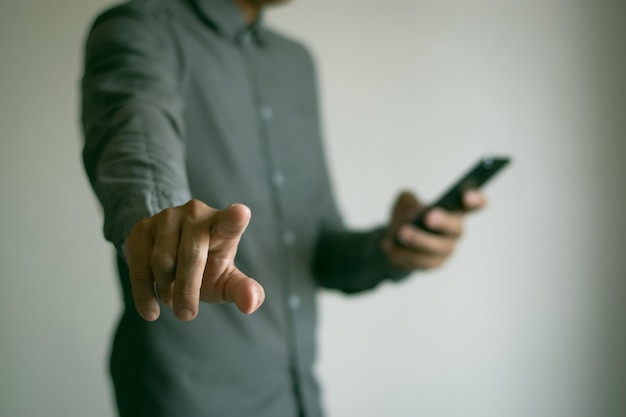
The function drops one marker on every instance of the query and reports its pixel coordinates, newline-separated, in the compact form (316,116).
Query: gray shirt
(181,100)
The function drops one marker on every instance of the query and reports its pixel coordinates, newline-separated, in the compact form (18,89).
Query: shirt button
(278,179)
(266,113)
(289,237)
(293,301)
(245,39)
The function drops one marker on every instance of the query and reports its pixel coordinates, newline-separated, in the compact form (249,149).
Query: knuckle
(167,215)
(192,255)
(162,291)
(162,262)
(138,277)
(185,291)
(195,208)
(142,227)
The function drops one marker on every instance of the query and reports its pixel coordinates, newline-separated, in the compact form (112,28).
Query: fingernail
(472,198)
(434,218)
(184,314)
(150,315)
(259,300)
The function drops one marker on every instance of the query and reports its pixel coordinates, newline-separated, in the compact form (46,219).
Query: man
(194,104)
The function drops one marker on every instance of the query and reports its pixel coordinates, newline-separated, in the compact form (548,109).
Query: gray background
(527,319)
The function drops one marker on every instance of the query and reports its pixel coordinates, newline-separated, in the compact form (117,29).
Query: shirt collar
(226,17)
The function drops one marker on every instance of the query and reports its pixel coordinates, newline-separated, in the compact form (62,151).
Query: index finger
(230,225)
(473,200)
(444,222)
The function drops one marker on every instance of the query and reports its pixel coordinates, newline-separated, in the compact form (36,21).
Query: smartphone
(476,177)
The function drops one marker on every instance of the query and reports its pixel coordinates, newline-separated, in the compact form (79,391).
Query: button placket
(293,301)
(266,112)
(278,178)
(245,39)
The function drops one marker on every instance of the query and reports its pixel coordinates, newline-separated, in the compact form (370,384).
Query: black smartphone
(476,177)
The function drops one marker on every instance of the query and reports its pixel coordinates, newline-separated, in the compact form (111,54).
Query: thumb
(406,208)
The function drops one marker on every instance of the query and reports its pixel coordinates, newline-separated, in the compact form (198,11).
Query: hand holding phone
(475,178)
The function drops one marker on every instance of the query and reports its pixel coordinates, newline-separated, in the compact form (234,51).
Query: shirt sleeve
(353,261)
(132,117)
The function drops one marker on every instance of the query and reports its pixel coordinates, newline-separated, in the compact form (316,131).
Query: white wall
(528,318)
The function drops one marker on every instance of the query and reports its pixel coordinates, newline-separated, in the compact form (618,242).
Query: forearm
(138,169)
(353,261)
(132,119)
